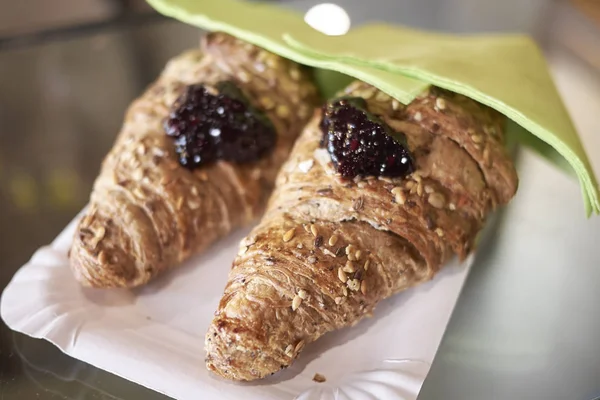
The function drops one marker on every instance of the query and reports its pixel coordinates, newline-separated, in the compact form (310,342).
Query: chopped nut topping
(400,198)
(289,350)
(302,294)
(342,275)
(250,240)
(380,96)
(243,76)
(296,302)
(353,284)
(349,249)
(366,93)
(102,257)
(349,267)
(440,103)
(319,378)
(100,233)
(271,61)
(420,189)
(328,252)
(295,73)
(98,236)
(490,130)
(193,204)
(137,175)
(267,103)
(333,240)
(289,235)
(437,200)
(363,287)
(282,111)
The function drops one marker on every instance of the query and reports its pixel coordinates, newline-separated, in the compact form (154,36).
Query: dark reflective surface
(61,105)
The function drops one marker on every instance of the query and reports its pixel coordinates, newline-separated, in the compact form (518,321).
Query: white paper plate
(154,336)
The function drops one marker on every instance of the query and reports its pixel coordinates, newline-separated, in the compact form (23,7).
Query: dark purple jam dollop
(362,144)
(207,126)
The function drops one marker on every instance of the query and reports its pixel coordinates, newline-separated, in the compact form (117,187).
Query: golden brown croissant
(147,212)
(329,249)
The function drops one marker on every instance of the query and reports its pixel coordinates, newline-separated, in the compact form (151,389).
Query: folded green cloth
(505,72)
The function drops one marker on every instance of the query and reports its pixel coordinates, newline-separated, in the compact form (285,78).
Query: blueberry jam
(209,125)
(361,143)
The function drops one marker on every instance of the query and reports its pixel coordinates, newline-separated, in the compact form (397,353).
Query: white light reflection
(329,19)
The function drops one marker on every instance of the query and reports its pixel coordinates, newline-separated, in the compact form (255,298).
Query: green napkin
(505,72)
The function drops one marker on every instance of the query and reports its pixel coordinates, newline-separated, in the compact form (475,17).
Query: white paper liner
(154,336)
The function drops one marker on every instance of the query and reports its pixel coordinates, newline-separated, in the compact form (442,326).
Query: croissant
(197,157)
(339,236)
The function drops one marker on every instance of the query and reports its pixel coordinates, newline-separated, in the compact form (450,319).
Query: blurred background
(68,70)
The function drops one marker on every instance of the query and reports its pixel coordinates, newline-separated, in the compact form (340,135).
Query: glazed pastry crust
(329,250)
(147,213)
